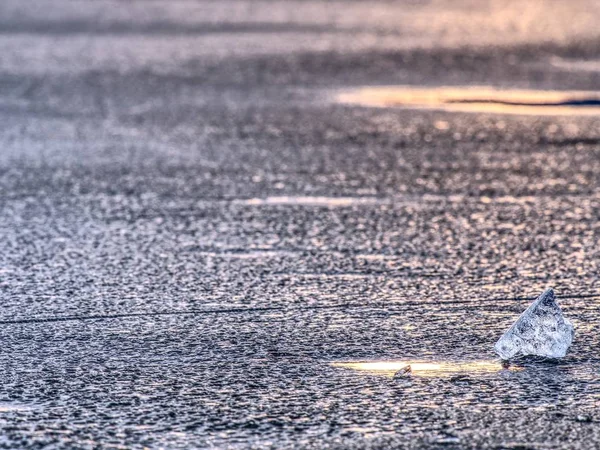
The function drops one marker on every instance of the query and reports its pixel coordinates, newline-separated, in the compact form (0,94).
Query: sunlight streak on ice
(477,99)
(424,368)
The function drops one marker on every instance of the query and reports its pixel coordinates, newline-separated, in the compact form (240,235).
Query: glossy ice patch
(576,65)
(6,407)
(477,99)
(253,254)
(311,201)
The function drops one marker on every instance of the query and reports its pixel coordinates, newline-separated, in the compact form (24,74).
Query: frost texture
(542,330)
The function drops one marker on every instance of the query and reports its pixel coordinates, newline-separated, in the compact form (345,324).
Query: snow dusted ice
(541,330)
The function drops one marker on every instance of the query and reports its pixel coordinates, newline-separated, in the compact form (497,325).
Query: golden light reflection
(425,368)
(477,99)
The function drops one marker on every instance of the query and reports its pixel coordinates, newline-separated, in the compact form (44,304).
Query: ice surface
(542,330)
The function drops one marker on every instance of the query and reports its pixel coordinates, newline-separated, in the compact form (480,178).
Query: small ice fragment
(403,373)
(542,330)
(460,378)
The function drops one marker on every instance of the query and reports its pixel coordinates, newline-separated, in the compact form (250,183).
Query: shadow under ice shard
(541,330)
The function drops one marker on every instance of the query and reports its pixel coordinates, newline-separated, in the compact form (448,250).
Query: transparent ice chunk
(541,330)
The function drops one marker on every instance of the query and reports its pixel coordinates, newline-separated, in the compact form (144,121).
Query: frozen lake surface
(202,246)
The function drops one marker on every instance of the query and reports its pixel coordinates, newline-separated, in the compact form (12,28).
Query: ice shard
(541,330)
